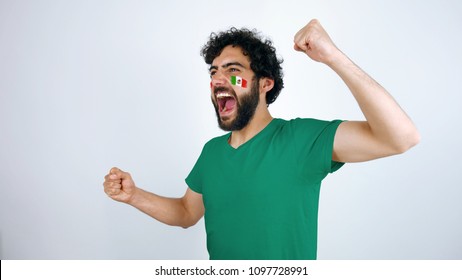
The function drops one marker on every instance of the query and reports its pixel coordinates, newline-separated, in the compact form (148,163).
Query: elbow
(189,222)
(188,225)
(407,142)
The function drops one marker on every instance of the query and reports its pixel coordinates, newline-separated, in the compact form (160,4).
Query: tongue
(230,103)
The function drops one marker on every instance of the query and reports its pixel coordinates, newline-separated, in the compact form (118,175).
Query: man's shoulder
(306,122)
(306,127)
(300,120)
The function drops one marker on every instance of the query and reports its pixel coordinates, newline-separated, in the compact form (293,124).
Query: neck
(259,121)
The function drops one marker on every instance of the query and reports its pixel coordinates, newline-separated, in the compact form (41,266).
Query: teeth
(223,94)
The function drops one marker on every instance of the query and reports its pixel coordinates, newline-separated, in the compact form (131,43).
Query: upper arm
(194,206)
(355,142)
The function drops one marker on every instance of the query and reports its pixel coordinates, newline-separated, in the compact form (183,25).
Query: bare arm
(184,212)
(387,129)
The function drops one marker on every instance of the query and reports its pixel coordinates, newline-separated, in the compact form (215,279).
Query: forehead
(230,53)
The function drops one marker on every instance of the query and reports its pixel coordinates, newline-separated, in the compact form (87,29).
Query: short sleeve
(195,178)
(325,144)
(314,144)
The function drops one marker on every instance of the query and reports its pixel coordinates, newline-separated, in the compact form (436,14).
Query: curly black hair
(262,54)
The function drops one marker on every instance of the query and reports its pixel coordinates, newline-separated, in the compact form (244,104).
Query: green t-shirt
(261,199)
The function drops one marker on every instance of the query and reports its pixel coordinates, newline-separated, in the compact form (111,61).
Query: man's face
(234,105)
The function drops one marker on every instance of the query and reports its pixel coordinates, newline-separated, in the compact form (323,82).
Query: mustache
(221,88)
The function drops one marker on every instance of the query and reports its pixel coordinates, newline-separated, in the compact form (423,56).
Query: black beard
(246,107)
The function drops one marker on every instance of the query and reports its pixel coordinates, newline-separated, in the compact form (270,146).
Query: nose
(218,79)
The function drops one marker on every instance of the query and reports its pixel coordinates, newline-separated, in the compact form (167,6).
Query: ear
(266,84)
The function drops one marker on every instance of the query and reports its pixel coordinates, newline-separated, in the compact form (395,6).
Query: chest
(247,179)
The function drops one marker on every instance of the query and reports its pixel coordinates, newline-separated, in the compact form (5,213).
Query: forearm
(170,211)
(388,123)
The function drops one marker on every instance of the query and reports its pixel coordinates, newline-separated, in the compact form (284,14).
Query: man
(258,186)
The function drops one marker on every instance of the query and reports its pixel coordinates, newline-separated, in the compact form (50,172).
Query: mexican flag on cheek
(238,81)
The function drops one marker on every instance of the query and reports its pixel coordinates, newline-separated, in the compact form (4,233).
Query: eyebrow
(227,65)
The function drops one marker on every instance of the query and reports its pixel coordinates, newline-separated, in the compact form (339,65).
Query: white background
(87,85)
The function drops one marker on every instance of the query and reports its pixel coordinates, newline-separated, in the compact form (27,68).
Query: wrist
(135,196)
(336,59)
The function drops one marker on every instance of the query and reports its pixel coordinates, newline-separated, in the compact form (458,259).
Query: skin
(386,131)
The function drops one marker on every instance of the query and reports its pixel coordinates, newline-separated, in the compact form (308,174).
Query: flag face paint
(238,81)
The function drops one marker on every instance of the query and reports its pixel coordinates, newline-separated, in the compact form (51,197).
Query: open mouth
(226,103)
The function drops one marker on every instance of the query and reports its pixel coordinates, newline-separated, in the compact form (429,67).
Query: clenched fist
(315,42)
(119,185)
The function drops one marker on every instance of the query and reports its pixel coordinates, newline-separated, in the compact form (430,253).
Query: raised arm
(183,212)
(387,129)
